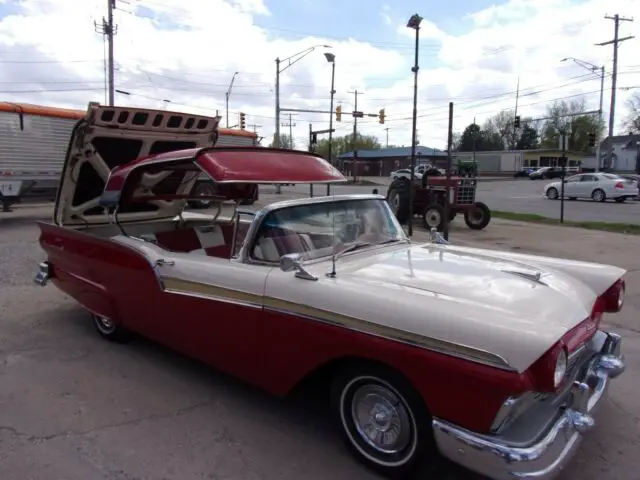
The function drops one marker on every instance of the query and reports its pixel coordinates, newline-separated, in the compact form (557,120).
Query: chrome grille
(466,191)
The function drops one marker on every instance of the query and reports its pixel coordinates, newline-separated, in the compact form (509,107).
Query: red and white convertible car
(493,359)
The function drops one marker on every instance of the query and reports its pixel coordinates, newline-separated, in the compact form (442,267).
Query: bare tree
(632,120)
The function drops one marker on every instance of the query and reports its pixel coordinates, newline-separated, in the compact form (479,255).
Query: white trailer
(34,141)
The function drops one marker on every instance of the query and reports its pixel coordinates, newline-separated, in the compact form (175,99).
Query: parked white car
(406,172)
(598,186)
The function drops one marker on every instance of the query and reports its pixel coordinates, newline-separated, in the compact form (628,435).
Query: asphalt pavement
(76,407)
(511,195)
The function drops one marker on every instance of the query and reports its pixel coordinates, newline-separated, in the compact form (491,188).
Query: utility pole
(110,33)
(108,29)
(228,94)
(355,135)
(387,129)
(614,77)
(255,127)
(290,125)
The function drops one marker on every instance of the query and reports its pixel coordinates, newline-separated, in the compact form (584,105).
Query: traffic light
(592,139)
(381,115)
(338,113)
(242,124)
(516,121)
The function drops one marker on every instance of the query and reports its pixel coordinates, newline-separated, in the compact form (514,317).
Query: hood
(109,137)
(506,307)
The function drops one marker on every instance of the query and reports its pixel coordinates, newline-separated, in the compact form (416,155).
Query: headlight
(561,368)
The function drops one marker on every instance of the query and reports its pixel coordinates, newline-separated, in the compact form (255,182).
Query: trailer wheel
(478,217)
(398,198)
(433,217)
(252,200)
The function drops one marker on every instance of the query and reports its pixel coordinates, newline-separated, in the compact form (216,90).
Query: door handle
(161,261)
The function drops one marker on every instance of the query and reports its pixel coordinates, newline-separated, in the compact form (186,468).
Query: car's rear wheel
(433,217)
(598,195)
(478,217)
(383,420)
(552,193)
(109,329)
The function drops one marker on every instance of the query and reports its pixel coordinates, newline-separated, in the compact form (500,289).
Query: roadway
(521,195)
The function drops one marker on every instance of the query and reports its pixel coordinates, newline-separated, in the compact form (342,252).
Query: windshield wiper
(359,245)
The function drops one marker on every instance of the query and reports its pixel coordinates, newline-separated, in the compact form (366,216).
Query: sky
(471,52)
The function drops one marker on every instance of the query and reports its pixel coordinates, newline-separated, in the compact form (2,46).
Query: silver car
(597,186)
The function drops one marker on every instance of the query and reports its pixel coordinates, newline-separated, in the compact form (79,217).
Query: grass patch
(631,228)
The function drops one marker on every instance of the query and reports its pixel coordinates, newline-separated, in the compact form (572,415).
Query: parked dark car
(546,172)
(636,178)
(524,172)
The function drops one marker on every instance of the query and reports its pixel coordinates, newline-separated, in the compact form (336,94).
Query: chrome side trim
(215,298)
(543,458)
(388,333)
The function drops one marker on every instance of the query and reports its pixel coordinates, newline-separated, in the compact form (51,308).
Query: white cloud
(187,52)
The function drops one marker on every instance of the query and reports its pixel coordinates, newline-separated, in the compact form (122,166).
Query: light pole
(331,58)
(296,57)
(591,67)
(414,22)
(228,94)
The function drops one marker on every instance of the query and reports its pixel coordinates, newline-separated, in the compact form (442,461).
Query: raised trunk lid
(109,137)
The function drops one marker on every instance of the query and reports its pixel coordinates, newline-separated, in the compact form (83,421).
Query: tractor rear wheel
(478,217)
(398,198)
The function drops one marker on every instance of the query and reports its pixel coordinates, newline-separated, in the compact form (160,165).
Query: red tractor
(429,195)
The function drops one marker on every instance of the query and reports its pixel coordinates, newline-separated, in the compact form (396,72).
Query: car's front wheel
(383,420)
(552,193)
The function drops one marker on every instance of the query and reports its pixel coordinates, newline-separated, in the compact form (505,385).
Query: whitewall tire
(383,421)
(109,329)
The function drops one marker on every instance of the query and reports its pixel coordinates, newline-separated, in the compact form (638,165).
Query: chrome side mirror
(292,262)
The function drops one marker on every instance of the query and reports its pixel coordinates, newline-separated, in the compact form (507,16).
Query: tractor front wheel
(478,217)
(433,217)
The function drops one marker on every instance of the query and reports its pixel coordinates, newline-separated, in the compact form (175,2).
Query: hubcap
(433,218)
(381,419)
(476,216)
(104,324)
(394,201)
(598,195)
(552,193)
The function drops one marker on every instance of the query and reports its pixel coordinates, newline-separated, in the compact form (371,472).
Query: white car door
(587,185)
(572,187)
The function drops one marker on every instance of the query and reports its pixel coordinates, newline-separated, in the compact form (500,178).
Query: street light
(331,58)
(290,61)
(228,94)
(591,67)
(414,23)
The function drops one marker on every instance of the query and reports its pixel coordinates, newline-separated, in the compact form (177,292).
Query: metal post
(600,120)
(563,160)
(276,142)
(227,107)
(333,77)
(414,22)
(111,4)
(310,151)
(447,205)
(355,134)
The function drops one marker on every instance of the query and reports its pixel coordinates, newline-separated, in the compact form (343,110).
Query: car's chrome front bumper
(543,459)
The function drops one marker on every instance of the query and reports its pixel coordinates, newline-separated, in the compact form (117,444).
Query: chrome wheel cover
(105,325)
(384,427)
(394,201)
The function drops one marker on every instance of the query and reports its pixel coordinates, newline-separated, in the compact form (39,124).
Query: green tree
(344,144)
(528,139)
(501,126)
(285,141)
(563,116)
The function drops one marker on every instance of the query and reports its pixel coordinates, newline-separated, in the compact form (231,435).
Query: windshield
(319,229)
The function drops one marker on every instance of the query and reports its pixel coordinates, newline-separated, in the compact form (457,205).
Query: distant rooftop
(400,152)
